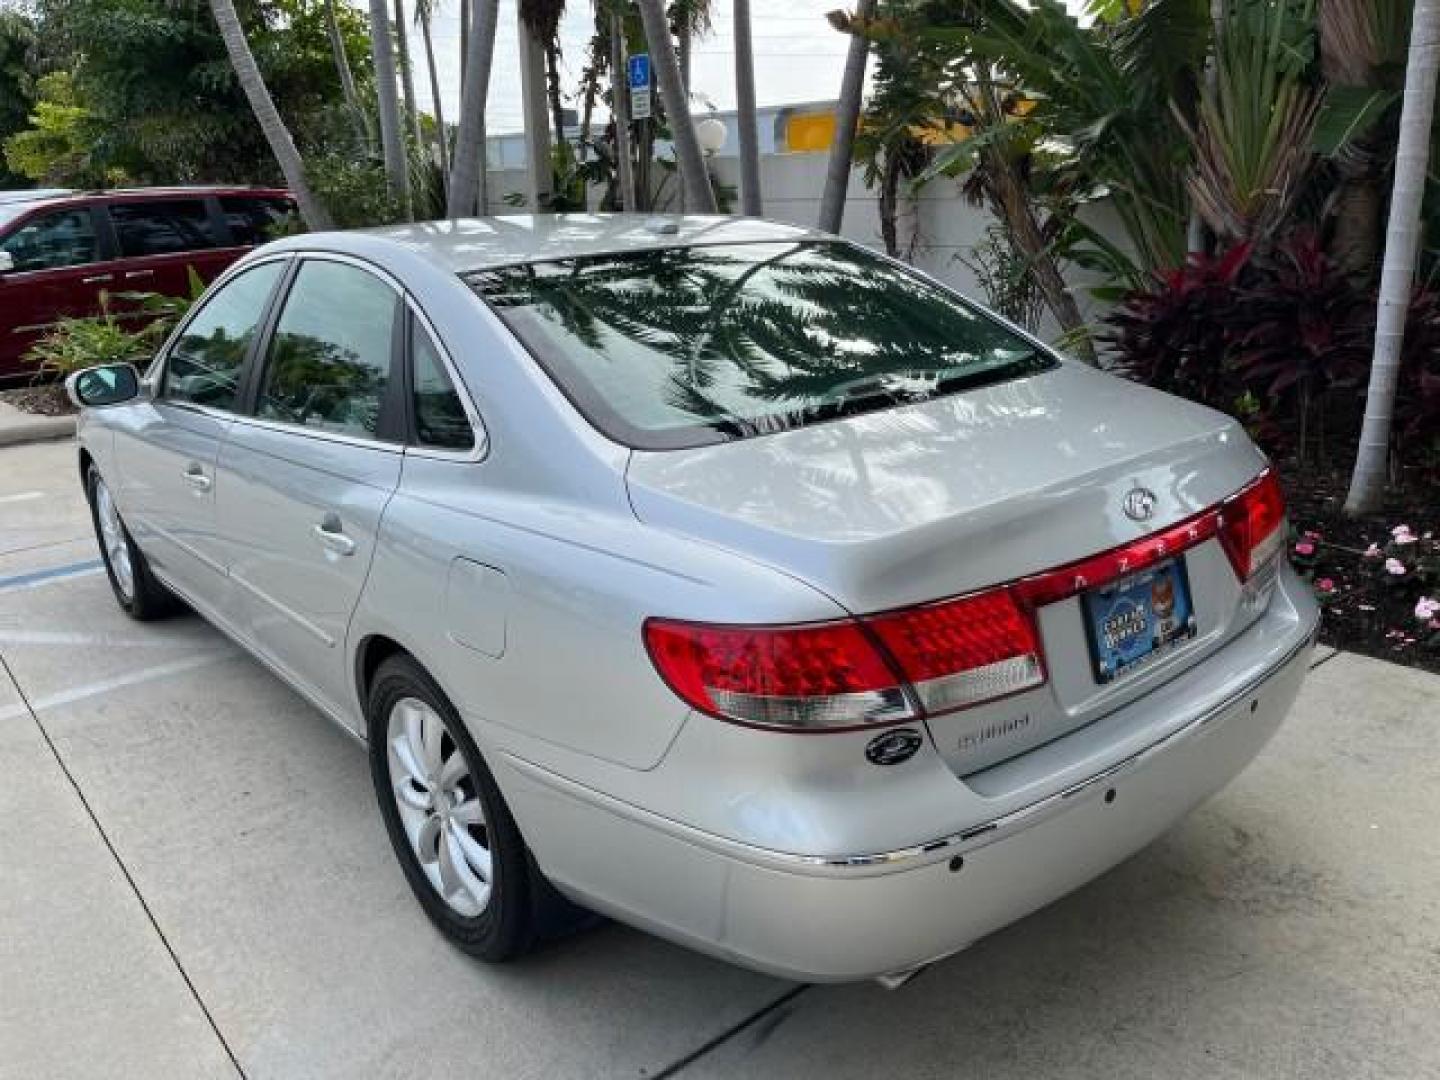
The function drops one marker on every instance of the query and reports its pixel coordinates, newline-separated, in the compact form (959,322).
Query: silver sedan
(716,575)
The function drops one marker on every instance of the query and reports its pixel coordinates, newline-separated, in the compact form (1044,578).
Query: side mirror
(110,384)
(7,262)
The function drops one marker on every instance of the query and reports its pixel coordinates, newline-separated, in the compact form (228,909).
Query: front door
(59,269)
(304,482)
(167,453)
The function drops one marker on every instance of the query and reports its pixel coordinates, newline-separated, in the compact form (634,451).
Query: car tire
(137,590)
(521,907)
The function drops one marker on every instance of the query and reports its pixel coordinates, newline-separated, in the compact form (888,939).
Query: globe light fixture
(711,134)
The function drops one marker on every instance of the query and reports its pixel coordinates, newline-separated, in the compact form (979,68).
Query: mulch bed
(1370,593)
(43,400)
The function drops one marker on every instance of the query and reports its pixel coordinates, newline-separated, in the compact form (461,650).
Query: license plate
(1137,619)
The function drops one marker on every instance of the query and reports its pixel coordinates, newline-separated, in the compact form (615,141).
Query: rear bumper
(841,918)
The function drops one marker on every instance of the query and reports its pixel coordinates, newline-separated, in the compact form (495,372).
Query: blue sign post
(639,71)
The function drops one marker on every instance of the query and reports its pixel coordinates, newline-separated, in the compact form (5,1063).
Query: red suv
(60,249)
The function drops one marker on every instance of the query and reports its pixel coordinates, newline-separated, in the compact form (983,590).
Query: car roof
(42,196)
(466,244)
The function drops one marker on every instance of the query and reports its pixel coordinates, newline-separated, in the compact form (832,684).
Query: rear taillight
(1252,526)
(822,676)
(965,651)
(834,675)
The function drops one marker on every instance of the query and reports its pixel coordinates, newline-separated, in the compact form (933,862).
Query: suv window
(62,238)
(252,218)
(329,359)
(440,420)
(163,227)
(204,364)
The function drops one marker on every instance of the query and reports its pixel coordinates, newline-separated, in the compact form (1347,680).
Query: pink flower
(1403,535)
(1327,585)
(1311,535)
(1427,607)
(1395,567)
(1305,547)
(1373,551)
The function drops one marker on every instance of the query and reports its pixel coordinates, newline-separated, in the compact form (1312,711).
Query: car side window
(329,360)
(55,240)
(253,219)
(162,227)
(440,419)
(203,366)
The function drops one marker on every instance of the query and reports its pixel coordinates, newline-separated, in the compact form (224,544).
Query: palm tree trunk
(539,168)
(1195,230)
(684,50)
(620,106)
(442,138)
(552,89)
(847,122)
(347,77)
(1402,248)
(694,179)
(407,74)
(277,135)
(464,38)
(750,202)
(392,143)
(467,176)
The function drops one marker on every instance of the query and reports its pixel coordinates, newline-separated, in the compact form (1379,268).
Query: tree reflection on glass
(689,344)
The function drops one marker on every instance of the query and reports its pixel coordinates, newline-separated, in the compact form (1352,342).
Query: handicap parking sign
(640,71)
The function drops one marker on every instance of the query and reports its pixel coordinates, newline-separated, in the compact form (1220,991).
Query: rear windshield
(686,346)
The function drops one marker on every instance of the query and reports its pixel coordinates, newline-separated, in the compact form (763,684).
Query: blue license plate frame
(1134,621)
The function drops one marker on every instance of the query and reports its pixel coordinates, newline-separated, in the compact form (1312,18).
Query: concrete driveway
(194,882)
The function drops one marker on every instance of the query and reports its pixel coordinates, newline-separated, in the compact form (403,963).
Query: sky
(798,57)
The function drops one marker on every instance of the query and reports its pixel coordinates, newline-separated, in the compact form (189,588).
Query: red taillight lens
(1252,525)
(823,676)
(964,651)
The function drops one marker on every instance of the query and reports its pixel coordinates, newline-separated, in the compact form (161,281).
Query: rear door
(305,478)
(159,238)
(61,265)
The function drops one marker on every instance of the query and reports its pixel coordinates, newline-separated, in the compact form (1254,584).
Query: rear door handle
(332,536)
(131,274)
(196,478)
(93,278)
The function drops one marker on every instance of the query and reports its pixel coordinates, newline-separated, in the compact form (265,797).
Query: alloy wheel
(439,805)
(112,536)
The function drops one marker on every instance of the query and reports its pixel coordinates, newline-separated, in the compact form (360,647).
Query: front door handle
(196,478)
(331,535)
(96,278)
(130,275)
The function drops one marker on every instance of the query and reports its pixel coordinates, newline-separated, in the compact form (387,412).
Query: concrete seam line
(1325,659)
(729,1033)
(124,870)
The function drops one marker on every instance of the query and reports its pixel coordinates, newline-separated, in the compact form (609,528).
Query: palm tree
(694,179)
(347,77)
(620,109)
(467,175)
(424,14)
(276,133)
(539,165)
(745,112)
(847,121)
(407,74)
(542,19)
(392,141)
(1402,247)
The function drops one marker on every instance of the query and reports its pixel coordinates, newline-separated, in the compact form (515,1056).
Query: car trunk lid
(961,493)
